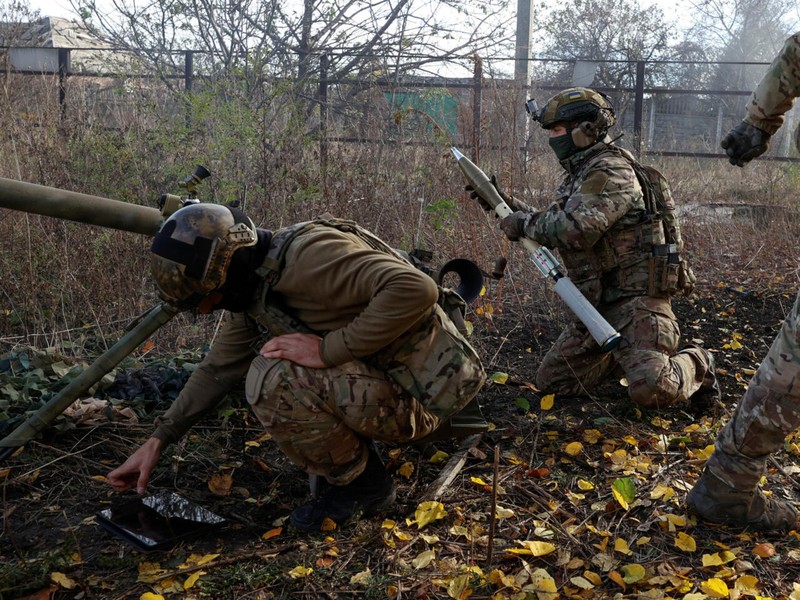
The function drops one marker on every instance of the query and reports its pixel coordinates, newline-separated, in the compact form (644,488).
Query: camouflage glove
(744,142)
(514,224)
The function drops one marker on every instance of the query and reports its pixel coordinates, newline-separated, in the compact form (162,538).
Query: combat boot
(709,394)
(368,494)
(714,500)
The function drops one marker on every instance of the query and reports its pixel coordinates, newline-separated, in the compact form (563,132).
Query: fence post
(322,95)
(477,94)
(63,72)
(638,109)
(188,70)
(188,83)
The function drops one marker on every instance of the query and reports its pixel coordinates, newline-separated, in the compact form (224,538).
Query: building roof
(49,32)
(89,53)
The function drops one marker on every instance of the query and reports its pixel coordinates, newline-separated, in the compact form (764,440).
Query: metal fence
(656,119)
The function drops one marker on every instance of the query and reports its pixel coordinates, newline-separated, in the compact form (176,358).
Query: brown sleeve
(222,368)
(363,298)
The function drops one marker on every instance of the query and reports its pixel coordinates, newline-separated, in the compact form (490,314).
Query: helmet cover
(192,251)
(575,105)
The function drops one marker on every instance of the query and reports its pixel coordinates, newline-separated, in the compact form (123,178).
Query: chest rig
(641,253)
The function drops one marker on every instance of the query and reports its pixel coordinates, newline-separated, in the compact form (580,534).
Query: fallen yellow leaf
(499,377)
(430,511)
(633,573)
(547,402)
(573,448)
(535,547)
(438,457)
(544,585)
(423,559)
(716,588)
(622,547)
(746,584)
(593,577)
(362,578)
(192,579)
(300,571)
(618,579)
(220,484)
(592,436)
(718,558)
(62,580)
(685,542)
(406,469)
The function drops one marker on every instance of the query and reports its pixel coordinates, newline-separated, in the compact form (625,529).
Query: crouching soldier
(357,349)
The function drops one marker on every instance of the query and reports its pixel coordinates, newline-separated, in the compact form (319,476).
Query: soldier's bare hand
(744,142)
(300,348)
(135,472)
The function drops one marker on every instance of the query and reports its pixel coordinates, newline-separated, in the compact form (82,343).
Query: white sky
(53,8)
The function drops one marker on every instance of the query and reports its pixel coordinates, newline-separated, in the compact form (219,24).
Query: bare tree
(15,19)
(610,34)
(742,31)
(287,38)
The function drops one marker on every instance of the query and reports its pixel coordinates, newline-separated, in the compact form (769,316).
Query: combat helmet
(586,111)
(192,251)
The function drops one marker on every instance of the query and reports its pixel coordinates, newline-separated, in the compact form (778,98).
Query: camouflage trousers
(322,419)
(657,376)
(768,411)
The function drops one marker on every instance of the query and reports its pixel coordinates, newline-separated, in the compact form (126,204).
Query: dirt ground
(562,527)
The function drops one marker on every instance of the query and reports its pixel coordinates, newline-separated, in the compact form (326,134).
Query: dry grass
(72,288)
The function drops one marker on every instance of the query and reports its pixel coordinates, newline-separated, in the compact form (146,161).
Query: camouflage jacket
(775,94)
(365,305)
(598,224)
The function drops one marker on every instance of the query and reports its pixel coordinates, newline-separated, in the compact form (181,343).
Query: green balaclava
(563,145)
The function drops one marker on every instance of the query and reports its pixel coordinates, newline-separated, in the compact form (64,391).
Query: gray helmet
(193,249)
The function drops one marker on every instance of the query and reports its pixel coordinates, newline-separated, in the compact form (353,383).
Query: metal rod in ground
(493,514)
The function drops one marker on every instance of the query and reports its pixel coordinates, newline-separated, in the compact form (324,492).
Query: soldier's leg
(768,411)
(322,418)
(574,364)
(324,421)
(658,376)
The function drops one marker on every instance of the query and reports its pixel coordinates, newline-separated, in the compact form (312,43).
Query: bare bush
(65,282)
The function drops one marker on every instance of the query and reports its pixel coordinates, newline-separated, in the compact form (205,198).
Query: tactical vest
(432,361)
(639,257)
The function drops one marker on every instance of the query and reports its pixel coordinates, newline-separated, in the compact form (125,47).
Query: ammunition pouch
(454,307)
(669,275)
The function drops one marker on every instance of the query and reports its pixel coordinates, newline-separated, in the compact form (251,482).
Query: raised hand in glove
(513,203)
(744,142)
(514,224)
